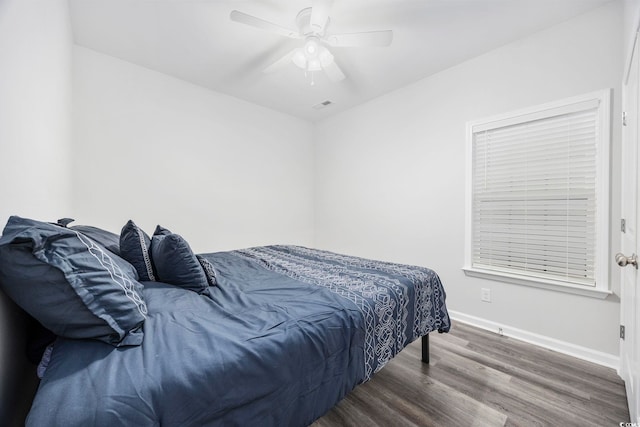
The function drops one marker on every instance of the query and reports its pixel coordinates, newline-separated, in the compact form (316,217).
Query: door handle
(623,261)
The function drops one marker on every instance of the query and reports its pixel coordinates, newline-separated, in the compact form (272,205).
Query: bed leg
(425,348)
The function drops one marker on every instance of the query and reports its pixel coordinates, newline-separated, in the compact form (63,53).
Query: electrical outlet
(485,294)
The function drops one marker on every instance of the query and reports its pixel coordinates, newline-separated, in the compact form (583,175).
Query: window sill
(538,283)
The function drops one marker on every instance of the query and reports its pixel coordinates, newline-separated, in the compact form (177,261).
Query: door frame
(633,39)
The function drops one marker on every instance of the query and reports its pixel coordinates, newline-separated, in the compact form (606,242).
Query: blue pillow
(72,285)
(134,247)
(176,263)
(106,238)
(109,240)
(161,231)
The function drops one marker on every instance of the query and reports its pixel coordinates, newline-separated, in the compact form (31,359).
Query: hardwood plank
(478,378)
(507,366)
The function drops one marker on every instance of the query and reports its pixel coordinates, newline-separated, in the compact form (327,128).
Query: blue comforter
(287,333)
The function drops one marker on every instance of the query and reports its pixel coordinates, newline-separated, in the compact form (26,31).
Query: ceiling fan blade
(282,62)
(320,14)
(246,19)
(334,72)
(366,39)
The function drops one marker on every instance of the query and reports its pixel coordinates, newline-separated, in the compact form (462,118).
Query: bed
(271,335)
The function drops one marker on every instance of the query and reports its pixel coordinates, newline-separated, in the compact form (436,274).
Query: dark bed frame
(18,380)
(425,348)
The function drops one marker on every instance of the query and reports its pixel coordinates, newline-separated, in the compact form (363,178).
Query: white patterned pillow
(209,270)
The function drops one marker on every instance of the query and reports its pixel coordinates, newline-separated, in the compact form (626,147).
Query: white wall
(35,133)
(631,15)
(222,172)
(35,108)
(390,173)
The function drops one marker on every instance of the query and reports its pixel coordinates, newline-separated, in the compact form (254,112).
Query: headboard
(18,380)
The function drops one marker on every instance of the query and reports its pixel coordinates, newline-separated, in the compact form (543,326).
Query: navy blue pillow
(134,247)
(109,240)
(161,231)
(176,263)
(72,285)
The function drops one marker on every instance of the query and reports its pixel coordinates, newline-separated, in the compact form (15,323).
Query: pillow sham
(72,285)
(134,247)
(106,238)
(109,240)
(176,263)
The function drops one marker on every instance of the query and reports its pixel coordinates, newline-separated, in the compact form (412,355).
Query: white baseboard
(584,353)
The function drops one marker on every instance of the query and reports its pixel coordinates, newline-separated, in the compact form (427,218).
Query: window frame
(602,287)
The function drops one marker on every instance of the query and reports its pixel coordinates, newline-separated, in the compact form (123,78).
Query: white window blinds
(534,201)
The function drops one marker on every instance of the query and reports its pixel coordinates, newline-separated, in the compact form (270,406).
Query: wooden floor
(478,378)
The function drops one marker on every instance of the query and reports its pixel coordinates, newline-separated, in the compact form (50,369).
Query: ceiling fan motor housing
(303,21)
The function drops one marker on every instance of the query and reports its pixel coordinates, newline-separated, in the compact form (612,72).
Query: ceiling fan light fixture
(311,48)
(313,56)
(314,65)
(299,59)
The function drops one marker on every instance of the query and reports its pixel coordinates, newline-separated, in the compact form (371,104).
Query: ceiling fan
(314,54)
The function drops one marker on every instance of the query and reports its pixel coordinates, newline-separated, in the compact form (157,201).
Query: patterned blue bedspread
(399,303)
(288,332)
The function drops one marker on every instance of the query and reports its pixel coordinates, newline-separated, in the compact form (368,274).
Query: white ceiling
(195,40)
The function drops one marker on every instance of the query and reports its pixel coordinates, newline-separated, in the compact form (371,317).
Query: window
(537,196)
